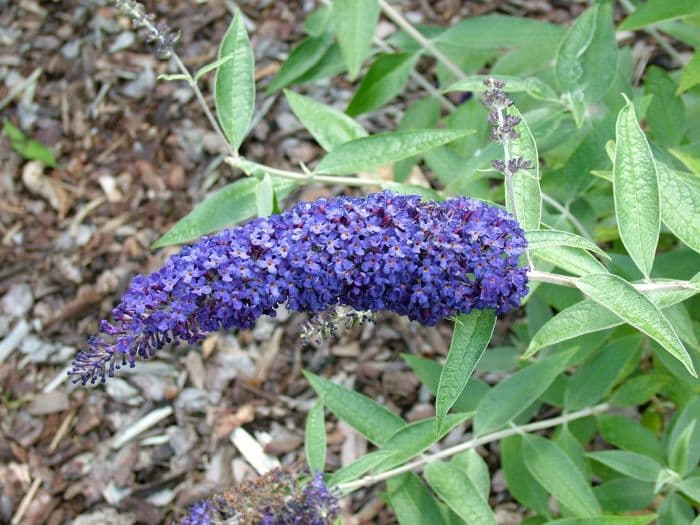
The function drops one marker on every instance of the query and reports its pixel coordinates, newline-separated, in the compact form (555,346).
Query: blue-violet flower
(425,260)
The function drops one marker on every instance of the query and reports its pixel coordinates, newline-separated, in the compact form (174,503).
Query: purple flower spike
(425,260)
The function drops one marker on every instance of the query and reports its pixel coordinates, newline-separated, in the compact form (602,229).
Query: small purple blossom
(425,260)
(199,514)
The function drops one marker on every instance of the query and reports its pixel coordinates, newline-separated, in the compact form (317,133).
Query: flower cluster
(425,260)
(272,499)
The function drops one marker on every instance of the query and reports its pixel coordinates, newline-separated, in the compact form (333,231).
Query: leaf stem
(567,214)
(471,444)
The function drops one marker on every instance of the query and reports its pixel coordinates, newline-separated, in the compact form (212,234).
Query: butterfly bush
(275,498)
(424,260)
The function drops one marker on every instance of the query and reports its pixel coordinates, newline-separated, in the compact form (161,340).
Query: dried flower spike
(275,498)
(425,260)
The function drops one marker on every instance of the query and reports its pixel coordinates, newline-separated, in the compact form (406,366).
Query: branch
(472,443)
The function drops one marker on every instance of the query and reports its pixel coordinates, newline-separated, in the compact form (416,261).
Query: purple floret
(199,514)
(425,260)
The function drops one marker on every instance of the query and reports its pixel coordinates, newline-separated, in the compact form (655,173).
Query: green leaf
(625,301)
(599,61)
(429,371)
(265,196)
(457,490)
(680,204)
(532,43)
(316,23)
(573,260)
(355,22)
(606,520)
(329,65)
(655,11)
(630,464)
(525,183)
(521,484)
(546,238)
(513,395)
(384,80)
(357,468)
(415,438)
(423,114)
(384,148)
(674,510)
(477,470)
(597,376)
(690,76)
(471,336)
(568,68)
(691,488)
(679,454)
(627,434)
(666,113)
(533,86)
(234,87)
(329,127)
(412,501)
(363,414)
(301,60)
(688,414)
(587,316)
(557,473)
(636,190)
(639,389)
(231,204)
(315,438)
(625,495)
(28,148)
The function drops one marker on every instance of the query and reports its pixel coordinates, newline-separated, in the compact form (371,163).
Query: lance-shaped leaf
(329,127)
(628,303)
(315,438)
(413,503)
(363,414)
(384,80)
(455,487)
(234,203)
(636,190)
(587,316)
(307,54)
(680,204)
(471,336)
(568,68)
(384,148)
(525,190)
(512,396)
(557,473)
(548,238)
(234,87)
(355,22)
(655,11)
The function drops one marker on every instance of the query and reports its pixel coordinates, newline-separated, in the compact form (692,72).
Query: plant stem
(567,214)
(135,11)
(470,444)
(427,44)
(650,286)
(248,167)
